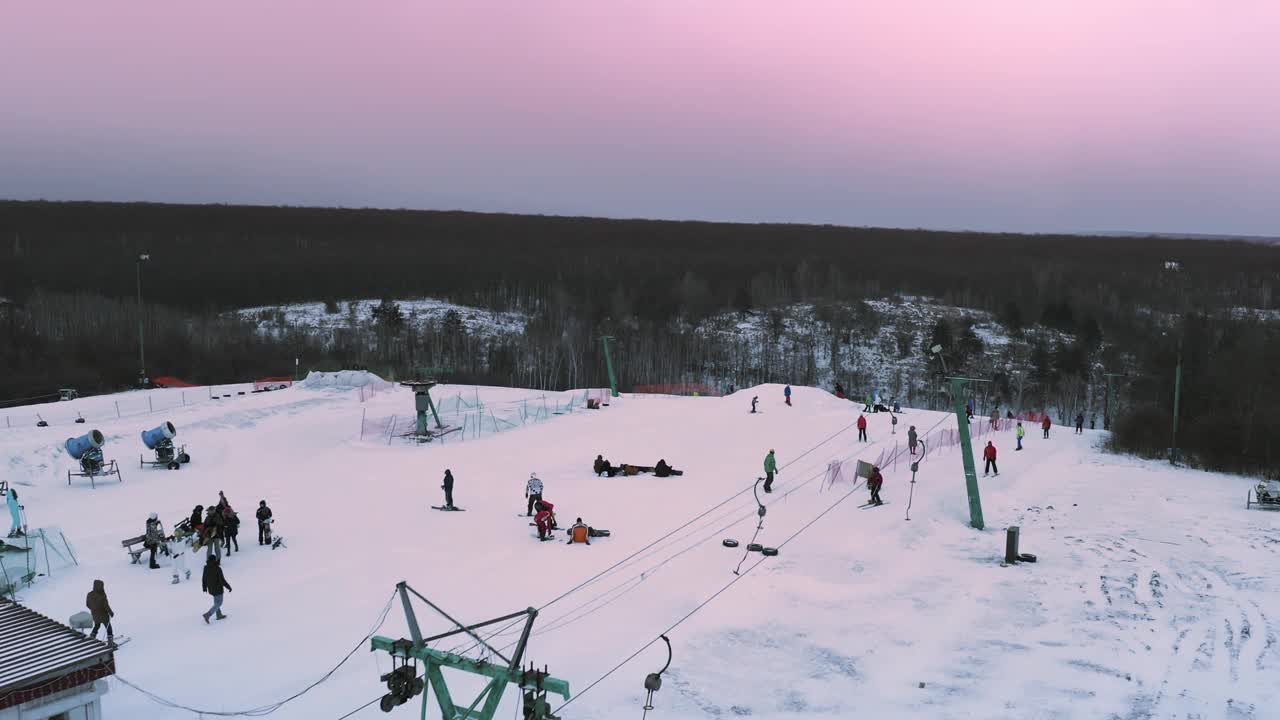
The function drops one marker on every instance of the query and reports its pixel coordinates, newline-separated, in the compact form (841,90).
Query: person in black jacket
(213,582)
(231,528)
(213,532)
(197,518)
(448,489)
(263,515)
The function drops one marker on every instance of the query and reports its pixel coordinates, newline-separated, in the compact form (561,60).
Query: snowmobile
(1266,494)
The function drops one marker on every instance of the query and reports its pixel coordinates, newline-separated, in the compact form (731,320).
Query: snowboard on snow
(448,509)
(121,640)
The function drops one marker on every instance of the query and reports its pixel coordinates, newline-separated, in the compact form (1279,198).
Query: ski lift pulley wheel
(755,547)
(769,552)
(729,543)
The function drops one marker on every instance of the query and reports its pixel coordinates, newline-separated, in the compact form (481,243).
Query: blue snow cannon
(85,445)
(162,433)
(160,439)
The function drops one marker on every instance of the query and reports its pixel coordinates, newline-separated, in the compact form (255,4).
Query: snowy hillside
(313,317)
(1153,596)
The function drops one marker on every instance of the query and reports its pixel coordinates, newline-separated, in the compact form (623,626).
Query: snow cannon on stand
(88,450)
(160,439)
(1265,495)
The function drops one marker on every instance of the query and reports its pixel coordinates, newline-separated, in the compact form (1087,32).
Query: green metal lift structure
(404,681)
(422,404)
(608,363)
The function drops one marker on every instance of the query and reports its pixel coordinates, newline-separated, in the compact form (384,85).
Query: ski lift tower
(422,404)
(966,448)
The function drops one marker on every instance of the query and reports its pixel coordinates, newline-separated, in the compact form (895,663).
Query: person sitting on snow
(662,469)
(580,533)
(598,466)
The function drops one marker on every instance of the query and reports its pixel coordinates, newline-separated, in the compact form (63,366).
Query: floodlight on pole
(143,256)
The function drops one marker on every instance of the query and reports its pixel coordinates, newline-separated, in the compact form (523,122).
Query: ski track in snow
(1152,597)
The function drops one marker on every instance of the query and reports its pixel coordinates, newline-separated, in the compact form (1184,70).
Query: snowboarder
(786,393)
(178,550)
(893,421)
(874,482)
(754,400)
(968,409)
(15,513)
(231,528)
(533,492)
(101,611)
(1045,425)
(862,428)
(1079,423)
(995,420)
(770,468)
(1020,432)
(264,527)
(448,489)
(989,454)
(213,582)
(543,520)
(222,502)
(598,466)
(912,438)
(213,532)
(153,538)
(868,404)
(580,533)
(662,469)
(896,407)
(1093,421)
(839,391)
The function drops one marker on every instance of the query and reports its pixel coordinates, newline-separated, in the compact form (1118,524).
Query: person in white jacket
(177,548)
(533,492)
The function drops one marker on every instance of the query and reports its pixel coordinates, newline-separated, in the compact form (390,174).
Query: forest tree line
(1081,306)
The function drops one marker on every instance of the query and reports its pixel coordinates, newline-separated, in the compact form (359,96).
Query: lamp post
(143,256)
(1177,397)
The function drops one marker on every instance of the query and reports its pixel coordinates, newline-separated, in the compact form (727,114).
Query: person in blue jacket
(786,392)
(15,513)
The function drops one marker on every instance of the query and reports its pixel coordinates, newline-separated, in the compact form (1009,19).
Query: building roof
(35,649)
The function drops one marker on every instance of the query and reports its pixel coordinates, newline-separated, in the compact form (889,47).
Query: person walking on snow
(214,582)
(153,538)
(1080,423)
(862,428)
(178,550)
(989,454)
(264,528)
(770,468)
(1045,425)
(754,399)
(231,528)
(101,611)
(874,482)
(912,439)
(15,513)
(532,492)
(448,489)
(1020,432)
(786,393)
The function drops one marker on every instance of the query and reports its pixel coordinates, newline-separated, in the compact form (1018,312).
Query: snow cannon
(162,433)
(160,439)
(85,445)
(88,450)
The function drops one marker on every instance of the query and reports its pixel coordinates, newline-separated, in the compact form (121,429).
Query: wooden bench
(135,554)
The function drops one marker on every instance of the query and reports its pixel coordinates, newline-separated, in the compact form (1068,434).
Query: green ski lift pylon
(966,451)
(422,404)
(534,684)
(608,363)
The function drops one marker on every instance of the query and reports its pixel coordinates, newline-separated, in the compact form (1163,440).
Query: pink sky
(988,114)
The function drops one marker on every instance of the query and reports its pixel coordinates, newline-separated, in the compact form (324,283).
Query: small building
(49,671)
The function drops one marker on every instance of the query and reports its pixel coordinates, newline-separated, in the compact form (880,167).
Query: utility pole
(143,256)
(608,361)
(1177,397)
(1106,409)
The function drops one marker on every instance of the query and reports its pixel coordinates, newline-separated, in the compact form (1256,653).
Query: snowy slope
(1152,597)
(312,317)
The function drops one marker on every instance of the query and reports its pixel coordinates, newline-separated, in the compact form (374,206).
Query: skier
(896,407)
(862,428)
(1093,421)
(995,419)
(989,454)
(868,404)
(153,538)
(101,611)
(213,582)
(770,468)
(264,527)
(754,400)
(912,438)
(874,482)
(893,421)
(968,409)
(1020,432)
(839,391)
(448,489)
(533,492)
(1079,423)
(231,528)
(786,393)
(15,513)
(1045,425)
(178,550)
(543,520)
(580,533)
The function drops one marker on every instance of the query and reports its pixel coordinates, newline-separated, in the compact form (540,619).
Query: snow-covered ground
(1153,596)
(312,317)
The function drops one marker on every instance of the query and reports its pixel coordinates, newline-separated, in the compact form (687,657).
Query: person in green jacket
(770,468)
(1020,432)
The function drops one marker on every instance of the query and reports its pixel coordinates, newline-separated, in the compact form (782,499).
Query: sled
(1265,495)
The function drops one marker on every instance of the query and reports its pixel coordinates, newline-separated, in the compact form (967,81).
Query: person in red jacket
(874,482)
(862,428)
(989,454)
(545,520)
(1045,424)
